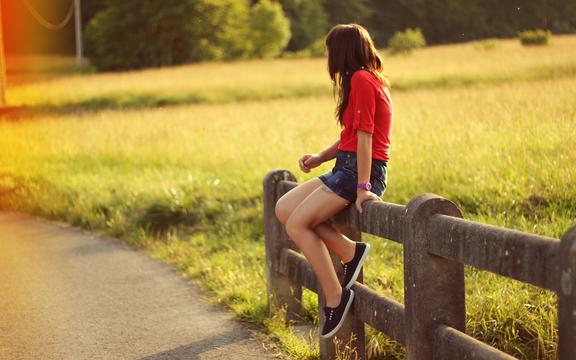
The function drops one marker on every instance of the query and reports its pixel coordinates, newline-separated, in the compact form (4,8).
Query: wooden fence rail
(437,243)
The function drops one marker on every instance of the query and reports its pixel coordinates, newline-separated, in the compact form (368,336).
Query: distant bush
(308,22)
(300,54)
(223,29)
(133,34)
(318,48)
(486,44)
(270,29)
(403,42)
(534,37)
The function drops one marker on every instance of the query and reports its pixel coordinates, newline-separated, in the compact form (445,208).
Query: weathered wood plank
(281,291)
(376,310)
(378,218)
(526,257)
(433,286)
(450,343)
(285,186)
(295,266)
(380,312)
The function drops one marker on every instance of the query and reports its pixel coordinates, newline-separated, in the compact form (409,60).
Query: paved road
(66,294)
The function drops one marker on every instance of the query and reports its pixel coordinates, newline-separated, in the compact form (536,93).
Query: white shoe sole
(331,333)
(358,268)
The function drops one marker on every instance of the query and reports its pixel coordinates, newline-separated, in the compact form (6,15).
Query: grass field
(436,67)
(491,130)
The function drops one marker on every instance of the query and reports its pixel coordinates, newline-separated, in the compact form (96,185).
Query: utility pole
(73,8)
(78,21)
(2,65)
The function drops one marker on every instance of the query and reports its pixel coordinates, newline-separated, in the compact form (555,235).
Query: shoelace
(345,269)
(330,316)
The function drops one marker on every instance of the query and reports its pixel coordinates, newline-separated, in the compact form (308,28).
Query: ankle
(333,300)
(351,251)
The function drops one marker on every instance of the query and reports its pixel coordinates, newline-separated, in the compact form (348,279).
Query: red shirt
(370,110)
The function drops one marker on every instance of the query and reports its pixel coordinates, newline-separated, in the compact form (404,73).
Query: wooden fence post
(433,286)
(352,331)
(567,297)
(282,292)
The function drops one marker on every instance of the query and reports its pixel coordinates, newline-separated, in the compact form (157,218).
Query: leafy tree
(507,18)
(454,20)
(389,16)
(270,29)
(90,8)
(347,11)
(563,19)
(224,29)
(131,34)
(308,22)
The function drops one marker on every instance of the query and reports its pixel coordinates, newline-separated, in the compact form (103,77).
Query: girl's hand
(309,161)
(363,195)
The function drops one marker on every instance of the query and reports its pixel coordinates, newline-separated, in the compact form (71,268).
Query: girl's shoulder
(360,75)
(365,79)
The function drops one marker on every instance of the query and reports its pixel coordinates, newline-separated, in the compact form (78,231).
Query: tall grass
(184,182)
(435,67)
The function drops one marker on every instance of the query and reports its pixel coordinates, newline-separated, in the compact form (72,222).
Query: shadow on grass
(153,100)
(14,113)
(126,101)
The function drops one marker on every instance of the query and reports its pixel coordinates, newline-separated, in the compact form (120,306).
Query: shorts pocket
(348,164)
(350,167)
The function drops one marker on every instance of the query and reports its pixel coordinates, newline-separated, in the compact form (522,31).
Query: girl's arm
(330,152)
(364,162)
(310,161)
(364,156)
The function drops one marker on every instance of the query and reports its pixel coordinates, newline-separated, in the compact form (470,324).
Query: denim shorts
(343,178)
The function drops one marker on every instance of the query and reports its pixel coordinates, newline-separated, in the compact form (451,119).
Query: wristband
(367,186)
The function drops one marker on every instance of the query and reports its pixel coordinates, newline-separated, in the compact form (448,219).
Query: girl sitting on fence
(364,111)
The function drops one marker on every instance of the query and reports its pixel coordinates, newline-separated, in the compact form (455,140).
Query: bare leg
(335,241)
(289,201)
(315,209)
(338,243)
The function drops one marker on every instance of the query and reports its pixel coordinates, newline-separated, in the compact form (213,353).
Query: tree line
(166,32)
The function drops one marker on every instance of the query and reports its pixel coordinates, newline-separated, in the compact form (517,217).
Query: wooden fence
(437,243)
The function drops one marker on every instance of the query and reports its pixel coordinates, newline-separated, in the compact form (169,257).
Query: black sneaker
(334,317)
(352,268)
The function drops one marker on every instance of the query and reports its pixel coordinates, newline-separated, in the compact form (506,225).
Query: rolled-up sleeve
(363,101)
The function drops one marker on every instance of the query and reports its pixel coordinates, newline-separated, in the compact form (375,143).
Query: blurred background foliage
(119,33)
(129,34)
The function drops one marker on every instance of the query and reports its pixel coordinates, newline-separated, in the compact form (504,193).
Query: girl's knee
(282,211)
(295,227)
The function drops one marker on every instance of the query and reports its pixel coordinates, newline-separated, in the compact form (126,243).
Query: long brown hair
(350,48)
